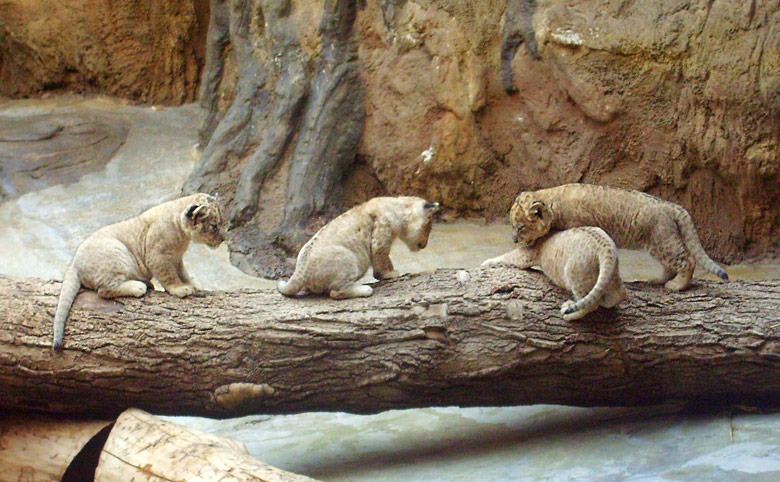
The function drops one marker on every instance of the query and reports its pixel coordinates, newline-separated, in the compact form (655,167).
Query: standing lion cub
(632,218)
(581,260)
(121,259)
(341,252)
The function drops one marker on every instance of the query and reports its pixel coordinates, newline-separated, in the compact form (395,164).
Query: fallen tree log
(137,446)
(43,447)
(479,337)
(144,447)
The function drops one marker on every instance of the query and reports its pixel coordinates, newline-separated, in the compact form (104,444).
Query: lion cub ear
(195,212)
(537,209)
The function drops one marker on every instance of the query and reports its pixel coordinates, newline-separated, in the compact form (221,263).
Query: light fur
(341,252)
(121,259)
(581,260)
(633,219)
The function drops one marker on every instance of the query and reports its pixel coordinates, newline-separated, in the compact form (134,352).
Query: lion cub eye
(520,227)
(214,228)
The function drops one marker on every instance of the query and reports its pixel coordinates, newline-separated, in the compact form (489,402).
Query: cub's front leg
(520,257)
(183,273)
(166,271)
(381,241)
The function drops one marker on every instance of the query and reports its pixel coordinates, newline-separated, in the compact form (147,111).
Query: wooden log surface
(478,337)
(142,447)
(41,447)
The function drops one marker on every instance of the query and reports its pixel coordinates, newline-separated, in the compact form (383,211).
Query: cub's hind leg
(340,270)
(668,248)
(615,293)
(684,276)
(106,266)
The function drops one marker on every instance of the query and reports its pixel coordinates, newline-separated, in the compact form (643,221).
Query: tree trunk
(296,108)
(144,447)
(479,337)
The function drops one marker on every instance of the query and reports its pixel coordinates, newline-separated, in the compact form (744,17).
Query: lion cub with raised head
(121,259)
(632,218)
(581,260)
(341,252)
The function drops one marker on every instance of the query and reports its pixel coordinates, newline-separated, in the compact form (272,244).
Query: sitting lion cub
(340,253)
(121,259)
(632,218)
(581,260)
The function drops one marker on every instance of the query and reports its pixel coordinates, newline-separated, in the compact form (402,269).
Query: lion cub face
(202,221)
(530,217)
(420,218)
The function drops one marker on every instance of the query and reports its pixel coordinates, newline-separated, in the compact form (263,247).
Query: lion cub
(632,218)
(581,260)
(340,253)
(121,259)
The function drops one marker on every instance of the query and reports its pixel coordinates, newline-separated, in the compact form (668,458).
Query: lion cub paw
(181,291)
(354,291)
(498,260)
(387,275)
(134,288)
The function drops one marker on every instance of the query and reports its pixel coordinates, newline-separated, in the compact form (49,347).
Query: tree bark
(479,337)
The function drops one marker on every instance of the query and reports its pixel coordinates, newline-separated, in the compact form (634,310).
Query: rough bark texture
(142,447)
(294,119)
(148,51)
(482,337)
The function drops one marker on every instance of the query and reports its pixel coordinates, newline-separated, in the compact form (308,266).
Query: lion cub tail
(70,288)
(608,265)
(692,242)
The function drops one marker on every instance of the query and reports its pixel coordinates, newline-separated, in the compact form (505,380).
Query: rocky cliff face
(147,51)
(679,98)
(469,102)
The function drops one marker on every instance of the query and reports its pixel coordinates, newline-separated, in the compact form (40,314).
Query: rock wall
(147,51)
(679,98)
(469,102)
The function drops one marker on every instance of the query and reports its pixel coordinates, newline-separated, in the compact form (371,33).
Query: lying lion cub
(632,218)
(581,260)
(340,253)
(121,259)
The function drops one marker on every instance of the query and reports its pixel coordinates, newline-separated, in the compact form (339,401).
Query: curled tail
(692,242)
(70,288)
(607,266)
